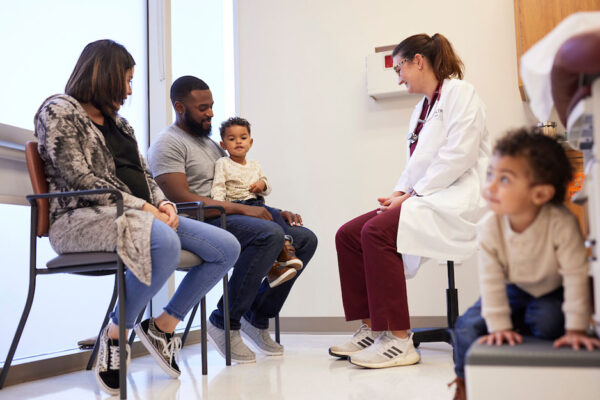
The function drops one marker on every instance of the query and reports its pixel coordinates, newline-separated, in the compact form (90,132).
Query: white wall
(330,150)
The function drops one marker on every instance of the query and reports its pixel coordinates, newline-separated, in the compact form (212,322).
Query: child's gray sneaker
(387,351)
(240,353)
(362,338)
(261,339)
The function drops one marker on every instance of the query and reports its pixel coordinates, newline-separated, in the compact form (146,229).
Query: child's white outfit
(232,180)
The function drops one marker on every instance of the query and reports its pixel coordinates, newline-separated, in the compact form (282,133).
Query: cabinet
(535,18)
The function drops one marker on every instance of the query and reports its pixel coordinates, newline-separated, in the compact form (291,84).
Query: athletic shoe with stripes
(387,351)
(362,338)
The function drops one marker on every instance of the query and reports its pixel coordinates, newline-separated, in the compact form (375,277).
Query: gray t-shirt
(178,151)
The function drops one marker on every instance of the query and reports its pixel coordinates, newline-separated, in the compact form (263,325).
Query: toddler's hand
(577,339)
(258,187)
(497,338)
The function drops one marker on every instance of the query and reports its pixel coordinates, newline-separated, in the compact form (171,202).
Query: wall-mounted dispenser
(382,80)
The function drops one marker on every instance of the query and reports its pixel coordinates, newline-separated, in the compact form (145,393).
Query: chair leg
(137,321)
(122,333)
(19,332)
(442,334)
(189,324)
(451,297)
(226,320)
(203,336)
(277,336)
(111,306)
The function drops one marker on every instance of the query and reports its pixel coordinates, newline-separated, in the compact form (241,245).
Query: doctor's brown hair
(546,157)
(439,52)
(99,75)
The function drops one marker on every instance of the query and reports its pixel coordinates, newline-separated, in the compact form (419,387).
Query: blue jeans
(219,250)
(261,242)
(275,213)
(541,317)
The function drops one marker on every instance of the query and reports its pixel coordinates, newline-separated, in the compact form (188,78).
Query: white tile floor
(305,372)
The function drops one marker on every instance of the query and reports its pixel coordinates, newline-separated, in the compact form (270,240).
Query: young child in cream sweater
(240,180)
(533,269)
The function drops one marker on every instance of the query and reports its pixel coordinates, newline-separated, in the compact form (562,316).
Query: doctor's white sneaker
(362,338)
(387,351)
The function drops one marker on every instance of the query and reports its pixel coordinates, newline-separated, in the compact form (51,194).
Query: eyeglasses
(398,68)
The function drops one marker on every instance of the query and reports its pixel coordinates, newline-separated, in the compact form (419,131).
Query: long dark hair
(99,75)
(439,52)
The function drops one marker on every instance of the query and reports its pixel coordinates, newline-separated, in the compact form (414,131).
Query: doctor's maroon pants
(372,271)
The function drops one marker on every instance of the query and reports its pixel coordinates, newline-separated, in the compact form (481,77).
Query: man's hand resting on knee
(254,211)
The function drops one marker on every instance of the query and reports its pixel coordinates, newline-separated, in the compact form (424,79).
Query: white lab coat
(447,170)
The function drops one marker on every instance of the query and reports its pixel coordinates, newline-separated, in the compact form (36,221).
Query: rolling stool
(441,334)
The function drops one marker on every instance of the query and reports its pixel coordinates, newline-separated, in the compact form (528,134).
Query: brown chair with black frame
(88,263)
(441,334)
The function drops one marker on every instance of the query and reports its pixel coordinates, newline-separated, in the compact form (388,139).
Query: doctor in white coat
(432,212)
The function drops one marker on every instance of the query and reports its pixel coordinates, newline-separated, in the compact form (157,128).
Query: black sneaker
(164,347)
(108,364)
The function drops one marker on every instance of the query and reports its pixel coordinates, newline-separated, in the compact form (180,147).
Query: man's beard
(195,128)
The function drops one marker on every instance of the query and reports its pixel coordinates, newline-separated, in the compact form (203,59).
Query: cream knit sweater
(232,180)
(548,254)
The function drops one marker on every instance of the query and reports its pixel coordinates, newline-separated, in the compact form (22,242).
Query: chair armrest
(192,206)
(200,208)
(222,214)
(118,195)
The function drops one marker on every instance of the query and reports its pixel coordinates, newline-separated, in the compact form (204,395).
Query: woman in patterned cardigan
(85,144)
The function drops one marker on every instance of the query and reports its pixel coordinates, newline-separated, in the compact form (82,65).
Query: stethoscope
(412,136)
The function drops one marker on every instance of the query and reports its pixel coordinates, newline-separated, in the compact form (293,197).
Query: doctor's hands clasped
(394,200)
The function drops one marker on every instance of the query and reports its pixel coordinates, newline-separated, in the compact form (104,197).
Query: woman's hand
(577,339)
(392,202)
(171,212)
(157,214)
(497,338)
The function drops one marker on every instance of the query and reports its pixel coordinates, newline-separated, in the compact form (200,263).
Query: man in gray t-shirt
(177,151)
(182,161)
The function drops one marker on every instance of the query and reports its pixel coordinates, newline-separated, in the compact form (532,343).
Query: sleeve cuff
(168,202)
(498,324)
(576,322)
